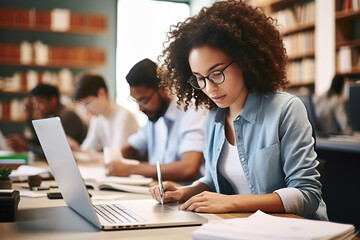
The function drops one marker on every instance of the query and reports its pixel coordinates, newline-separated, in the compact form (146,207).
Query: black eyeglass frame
(144,101)
(194,78)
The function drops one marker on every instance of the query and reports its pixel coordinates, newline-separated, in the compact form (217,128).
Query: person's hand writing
(171,193)
(119,169)
(17,143)
(209,202)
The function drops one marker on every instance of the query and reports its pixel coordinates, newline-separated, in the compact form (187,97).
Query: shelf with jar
(55,20)
(347,37)
(295,20)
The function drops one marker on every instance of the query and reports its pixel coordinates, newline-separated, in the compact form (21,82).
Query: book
(263,226)
(96,178)
(11,158)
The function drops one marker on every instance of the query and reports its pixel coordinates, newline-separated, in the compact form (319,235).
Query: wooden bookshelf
(298,29)
(11,62)
(295,20)
(39,45)
(43,21)
(347,37)
(301,56)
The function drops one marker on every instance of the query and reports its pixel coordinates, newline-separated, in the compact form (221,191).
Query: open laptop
(124,214)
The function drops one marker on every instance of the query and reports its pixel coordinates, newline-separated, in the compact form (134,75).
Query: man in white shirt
(110,125)
(171,136)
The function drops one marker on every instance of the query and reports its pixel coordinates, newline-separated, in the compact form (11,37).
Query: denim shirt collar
(248,113)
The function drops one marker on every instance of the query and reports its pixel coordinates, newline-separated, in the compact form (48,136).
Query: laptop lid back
(63,166)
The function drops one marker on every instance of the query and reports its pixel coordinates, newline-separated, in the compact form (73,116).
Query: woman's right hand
(171,193)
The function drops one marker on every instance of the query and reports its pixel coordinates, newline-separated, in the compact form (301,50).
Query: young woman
(259,148)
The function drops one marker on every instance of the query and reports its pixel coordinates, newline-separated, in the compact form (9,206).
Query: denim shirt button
(239,137)
(243,159)
(250,186)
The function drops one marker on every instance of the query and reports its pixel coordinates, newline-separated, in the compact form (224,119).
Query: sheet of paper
(263,226)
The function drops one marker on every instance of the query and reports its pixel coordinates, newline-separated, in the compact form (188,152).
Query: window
(142,28)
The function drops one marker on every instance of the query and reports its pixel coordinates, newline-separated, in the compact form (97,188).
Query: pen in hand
(158,170)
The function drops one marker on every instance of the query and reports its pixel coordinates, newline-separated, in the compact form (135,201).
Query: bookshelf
(296,23)
(52,42)
(347,37)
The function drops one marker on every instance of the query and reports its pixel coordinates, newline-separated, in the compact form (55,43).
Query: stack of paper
(24,171)
(261,226)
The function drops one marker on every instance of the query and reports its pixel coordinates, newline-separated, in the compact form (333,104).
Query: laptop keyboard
(117,213)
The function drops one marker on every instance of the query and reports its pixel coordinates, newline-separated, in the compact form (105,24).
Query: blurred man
(171,136)
(44,102)
(110,124)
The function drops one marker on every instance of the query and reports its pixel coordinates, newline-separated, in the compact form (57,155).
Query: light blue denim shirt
(275,147)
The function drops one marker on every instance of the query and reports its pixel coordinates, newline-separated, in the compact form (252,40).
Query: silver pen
(158,170)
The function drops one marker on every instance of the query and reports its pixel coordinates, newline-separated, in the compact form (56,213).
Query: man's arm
(131,153)
(186,169)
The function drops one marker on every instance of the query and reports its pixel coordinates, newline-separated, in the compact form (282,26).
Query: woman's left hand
(210,202)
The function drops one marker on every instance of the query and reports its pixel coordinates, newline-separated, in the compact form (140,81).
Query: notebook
(133,213)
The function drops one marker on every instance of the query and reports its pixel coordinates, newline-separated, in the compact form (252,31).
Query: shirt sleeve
(139,140)
(92,141)
(299,157)
(292,199)
(192,131)
(124,126)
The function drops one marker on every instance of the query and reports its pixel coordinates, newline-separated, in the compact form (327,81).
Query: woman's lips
(218,98)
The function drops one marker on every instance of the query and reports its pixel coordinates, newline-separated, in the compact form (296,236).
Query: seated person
(44,102)
(330,109)
(259,149)
(171,136)
(110,124)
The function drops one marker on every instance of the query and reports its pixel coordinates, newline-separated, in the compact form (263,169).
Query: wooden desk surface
(41,218)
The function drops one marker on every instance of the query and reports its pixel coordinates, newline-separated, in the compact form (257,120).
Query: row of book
(348,59)
(300,44)
(42,54)
(293,17)
(301,72)
(12,110)
(344,5)
(53,20)
(24,82)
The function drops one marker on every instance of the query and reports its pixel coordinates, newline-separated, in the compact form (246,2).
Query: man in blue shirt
(171,136)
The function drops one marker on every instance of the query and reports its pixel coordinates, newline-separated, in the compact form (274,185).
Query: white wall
(324,44)
(196,5)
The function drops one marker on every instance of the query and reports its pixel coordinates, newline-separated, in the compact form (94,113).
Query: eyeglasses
(216,77)
(143,101)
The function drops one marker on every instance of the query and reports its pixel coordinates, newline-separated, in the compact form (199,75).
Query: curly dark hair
(242,32)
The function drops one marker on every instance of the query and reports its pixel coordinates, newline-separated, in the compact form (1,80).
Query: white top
(230,167)
(113,131)
(171,135)
(232,170)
